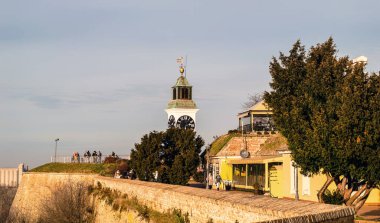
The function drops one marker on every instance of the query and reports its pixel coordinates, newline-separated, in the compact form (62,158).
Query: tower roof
(182,82)
(181,104)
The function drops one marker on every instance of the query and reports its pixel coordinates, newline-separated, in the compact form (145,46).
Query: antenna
(185,65)
(181,67)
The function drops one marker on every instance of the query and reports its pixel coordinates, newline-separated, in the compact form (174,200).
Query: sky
(98,74)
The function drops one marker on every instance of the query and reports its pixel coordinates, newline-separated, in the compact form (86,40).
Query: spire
(180,61)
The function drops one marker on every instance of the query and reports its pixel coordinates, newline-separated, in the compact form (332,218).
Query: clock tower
(181,108)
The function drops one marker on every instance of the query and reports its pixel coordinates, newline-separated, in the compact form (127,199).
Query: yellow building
(261,161)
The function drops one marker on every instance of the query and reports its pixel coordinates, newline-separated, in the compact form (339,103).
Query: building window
(305,185)
(174,96)
(239,174)
(256,174)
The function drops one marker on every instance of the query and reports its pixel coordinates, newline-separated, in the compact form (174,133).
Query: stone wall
(201,204)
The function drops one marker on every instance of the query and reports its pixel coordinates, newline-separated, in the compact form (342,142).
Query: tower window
(186,94)
(174,94)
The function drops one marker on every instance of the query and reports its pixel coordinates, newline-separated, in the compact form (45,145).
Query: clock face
(171,122)
(185,122)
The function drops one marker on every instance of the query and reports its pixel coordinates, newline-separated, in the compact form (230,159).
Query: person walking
(218,180)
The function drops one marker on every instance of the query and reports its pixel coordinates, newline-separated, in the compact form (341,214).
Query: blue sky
(97,74)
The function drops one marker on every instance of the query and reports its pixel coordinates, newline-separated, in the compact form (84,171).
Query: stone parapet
(200,204)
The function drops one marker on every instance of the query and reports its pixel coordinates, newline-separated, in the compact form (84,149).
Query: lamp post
(207,167)
(55,153)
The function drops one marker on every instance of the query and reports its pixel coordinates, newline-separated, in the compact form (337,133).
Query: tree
(174,154)
(327,108)
(252,100)
(69,202)
(7,195)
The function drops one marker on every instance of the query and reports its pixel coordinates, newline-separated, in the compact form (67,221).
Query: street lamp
(55,154)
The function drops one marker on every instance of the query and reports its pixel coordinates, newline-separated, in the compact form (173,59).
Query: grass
(275,142)
(94,168)
(121,202)
(220,142)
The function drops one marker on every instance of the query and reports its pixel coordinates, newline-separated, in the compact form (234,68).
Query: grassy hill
(106,169)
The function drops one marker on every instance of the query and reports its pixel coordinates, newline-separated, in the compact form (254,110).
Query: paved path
(366,212)
(370,212)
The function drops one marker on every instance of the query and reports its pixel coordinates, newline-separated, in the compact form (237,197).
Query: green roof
(182,82)
(181,103)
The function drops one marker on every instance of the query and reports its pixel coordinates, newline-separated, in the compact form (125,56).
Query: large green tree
(327,108)
(174,154)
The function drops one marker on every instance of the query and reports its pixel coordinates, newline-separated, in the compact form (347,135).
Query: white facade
(178,112)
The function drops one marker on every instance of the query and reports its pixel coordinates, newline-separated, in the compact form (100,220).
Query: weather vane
(180,61)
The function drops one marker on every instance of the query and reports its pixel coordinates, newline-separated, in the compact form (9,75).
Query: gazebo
(257,118)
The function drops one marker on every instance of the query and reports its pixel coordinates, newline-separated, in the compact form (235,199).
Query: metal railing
(82,159)
(257,127)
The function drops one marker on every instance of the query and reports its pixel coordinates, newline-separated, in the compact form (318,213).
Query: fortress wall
(35,188)
(201,204)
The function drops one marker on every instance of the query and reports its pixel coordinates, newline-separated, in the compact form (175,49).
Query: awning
(252,160)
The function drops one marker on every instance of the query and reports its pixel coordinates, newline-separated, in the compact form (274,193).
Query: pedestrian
(73,157)
(132,174)
(94,156)
(209,181)
(218,180)
(117,174)
(88,156)
(99,157)
(78,157)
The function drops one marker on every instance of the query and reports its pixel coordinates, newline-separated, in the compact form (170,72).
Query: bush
(6,194)
(110,159)
(123,166)
(199,176)
(232,131)
(333,197)
(69,202)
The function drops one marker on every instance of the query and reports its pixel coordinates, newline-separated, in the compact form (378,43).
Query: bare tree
(252,100)
(69,202)
(7,195)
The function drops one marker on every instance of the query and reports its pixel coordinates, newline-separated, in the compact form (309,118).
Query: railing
(258,127)
(81,159)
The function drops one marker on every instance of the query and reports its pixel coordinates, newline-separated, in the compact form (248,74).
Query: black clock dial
(171,122)
(185,122)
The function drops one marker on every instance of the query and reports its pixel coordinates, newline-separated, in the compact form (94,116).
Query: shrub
(69,202)
(110,159)
(199,176)
(6,194)
(232,131)
(333,197)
